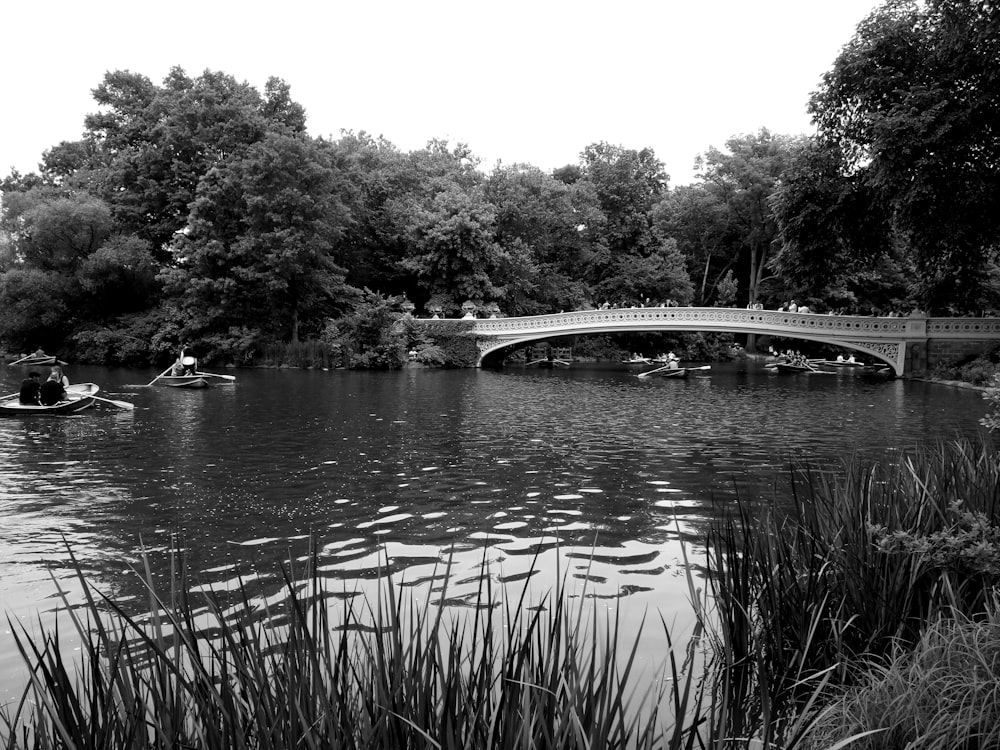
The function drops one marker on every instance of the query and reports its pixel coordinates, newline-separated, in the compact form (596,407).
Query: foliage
(741,181)
(154,144)
(942,693)
(978,370)
(131,340)
(34,309)
(260,242)
(305,354)
(992,419)
(910,104)
(845,575)
(370,338)
(455,339)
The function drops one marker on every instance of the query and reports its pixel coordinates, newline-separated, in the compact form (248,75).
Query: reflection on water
(595,470)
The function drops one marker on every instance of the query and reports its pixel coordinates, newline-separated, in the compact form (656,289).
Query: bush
(853,570)
(944,693)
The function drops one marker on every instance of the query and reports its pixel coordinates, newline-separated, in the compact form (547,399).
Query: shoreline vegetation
(866,615)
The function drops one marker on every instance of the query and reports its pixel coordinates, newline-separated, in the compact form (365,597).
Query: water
(404,469)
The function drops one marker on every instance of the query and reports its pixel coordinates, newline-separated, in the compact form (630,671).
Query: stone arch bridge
(910,345)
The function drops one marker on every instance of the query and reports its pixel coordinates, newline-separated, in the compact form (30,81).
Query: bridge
(910,345)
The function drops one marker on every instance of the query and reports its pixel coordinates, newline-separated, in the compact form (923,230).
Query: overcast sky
(518,81)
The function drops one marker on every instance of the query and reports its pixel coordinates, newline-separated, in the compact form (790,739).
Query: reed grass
(856,567)
(394,673)
(943,693)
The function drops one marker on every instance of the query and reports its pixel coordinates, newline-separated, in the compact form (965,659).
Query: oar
(22,359)
(157,377)
(651,372)
(668,367)
(213,375)
(120,404)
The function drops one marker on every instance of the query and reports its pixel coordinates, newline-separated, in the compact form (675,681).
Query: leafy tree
(629,184)
(835,235)
(153,144)
(261,242)
(453,247)
(551,224)
(55,230)
(33,308)
(119,277)
(741,181)
(378,179)
(371,337)
(700,226)
(912,103)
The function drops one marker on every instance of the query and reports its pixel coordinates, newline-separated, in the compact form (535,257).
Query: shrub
(944,693)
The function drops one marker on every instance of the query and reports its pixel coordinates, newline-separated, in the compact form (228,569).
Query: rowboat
(79,397)
(637,361)
(841,363)
(677,372)
(45,361)
(673,372)
(548,364)
(184,381)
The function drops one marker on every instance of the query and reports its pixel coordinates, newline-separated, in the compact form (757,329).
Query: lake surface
(402,470)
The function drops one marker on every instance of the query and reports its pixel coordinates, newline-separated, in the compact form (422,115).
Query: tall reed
(857,565)
(392,673)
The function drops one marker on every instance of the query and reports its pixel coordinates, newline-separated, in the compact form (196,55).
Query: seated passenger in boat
(29,389)
(57,374)
(52,391)
(673,363)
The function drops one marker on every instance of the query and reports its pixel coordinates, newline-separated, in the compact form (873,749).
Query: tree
(742,182)
(628,185)
(550,223)
(700,226)
(454,251)
(119,278)
(912,103)
(835,235)
(151,145)
(55,230)
(260,244)
(33,308)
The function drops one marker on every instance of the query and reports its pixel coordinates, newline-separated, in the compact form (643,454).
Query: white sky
(519,81)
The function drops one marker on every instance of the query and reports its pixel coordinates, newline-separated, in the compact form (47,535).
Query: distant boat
(673,372)
(842,363)
(637,360)
(791,368)
(38,360)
